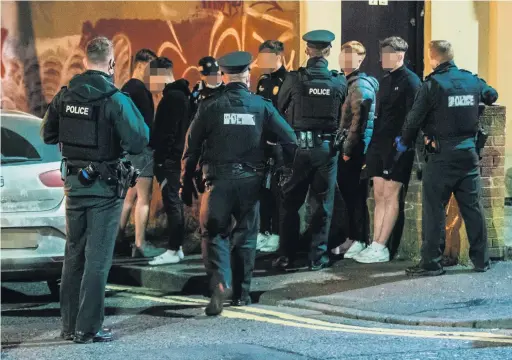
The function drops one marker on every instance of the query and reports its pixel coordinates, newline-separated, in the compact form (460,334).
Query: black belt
(313,138)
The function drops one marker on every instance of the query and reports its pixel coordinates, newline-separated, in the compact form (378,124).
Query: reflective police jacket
(231,125)
(311,97)
(94,121)
(446,106)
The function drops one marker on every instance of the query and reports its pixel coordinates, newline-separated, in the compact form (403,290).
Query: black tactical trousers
(169,180)
(91,225)
(354,191)
(314,171)
(270,202)
(223,199)
(457,172)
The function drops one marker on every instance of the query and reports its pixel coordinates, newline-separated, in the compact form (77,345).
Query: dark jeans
(314,171)
(457,172)
(222,199)
(169,180)
(91,225)
(355,193)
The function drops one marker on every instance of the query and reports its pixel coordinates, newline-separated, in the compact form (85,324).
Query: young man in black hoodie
(140,195)
(168,140)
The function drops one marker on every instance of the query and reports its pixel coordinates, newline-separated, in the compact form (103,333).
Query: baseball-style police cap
(318,39)
(236,62)
(208,66)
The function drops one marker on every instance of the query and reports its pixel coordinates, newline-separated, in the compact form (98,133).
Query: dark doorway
(370,23)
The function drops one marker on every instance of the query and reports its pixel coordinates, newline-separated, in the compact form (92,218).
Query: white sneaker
(261,240)
(354,249)
(372,255)
(181,254)
(272,244)
(168,257)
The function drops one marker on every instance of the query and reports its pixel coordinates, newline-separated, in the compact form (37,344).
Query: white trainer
(262,240)
(168,257)
(272,244)
(355,249)
(372,255)
(181,254)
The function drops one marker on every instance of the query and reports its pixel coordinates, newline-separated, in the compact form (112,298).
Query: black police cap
(318,39)
(236,62)
(208,66)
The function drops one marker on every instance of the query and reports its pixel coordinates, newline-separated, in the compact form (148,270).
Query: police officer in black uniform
(211,82)
(311,98)
(232,124)
(447,109)
(270,60)
(94,122)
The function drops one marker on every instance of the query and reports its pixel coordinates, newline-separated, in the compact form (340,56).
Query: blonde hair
(354,46)
(442,48)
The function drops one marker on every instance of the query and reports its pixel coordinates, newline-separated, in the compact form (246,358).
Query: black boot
(219,296)
(65,335)
(147,250)
(431,269)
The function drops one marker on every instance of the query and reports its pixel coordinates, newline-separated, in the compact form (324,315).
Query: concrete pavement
(376,292)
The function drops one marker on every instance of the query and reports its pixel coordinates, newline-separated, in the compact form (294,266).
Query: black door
(369,24)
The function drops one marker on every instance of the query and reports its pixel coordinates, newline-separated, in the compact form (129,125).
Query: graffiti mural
(183,32)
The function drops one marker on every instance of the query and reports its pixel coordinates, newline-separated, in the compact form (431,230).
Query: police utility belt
(313,138)
(231,169)
(120,173)
(434,145)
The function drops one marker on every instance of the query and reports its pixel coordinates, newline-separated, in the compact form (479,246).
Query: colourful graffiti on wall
(211,28)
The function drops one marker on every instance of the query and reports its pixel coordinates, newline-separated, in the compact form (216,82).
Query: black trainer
(64,335)
(282,263)
(484,268)
(241,302)
(320,264)
(104,335)
(422,270)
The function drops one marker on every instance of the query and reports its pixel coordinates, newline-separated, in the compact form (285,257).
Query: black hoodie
(171,122)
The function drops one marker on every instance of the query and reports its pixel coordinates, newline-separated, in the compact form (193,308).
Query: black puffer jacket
(172,120)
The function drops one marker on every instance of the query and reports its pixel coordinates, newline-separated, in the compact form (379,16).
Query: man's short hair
(99,50)
(442,48)
(396,43)
(272,46)
(144,55)
(161,63)
(354,46)
(325,52)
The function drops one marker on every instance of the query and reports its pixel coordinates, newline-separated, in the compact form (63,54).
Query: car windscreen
(21,142)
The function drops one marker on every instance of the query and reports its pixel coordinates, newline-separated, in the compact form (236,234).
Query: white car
(32,203)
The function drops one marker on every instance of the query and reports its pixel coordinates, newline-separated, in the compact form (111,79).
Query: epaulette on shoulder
(467,71)
(335,73)
(263,76)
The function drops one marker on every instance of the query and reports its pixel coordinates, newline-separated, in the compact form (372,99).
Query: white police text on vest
(75,109)
(316,91)
(461,100)
(239,119)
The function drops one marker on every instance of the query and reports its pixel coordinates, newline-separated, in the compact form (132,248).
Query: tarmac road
(153,325)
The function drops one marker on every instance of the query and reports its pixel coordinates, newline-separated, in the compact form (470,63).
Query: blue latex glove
(400,147)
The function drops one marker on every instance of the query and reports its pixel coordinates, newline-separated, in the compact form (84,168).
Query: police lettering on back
(461,100)
(75,109)
(316,91)
(239,119)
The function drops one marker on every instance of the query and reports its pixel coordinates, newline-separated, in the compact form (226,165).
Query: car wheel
(54,286)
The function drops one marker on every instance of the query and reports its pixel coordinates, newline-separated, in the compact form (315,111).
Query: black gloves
(187,191)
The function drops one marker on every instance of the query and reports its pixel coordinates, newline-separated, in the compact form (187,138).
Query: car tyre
(54,286)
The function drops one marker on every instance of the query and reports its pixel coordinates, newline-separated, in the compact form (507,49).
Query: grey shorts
(143,162)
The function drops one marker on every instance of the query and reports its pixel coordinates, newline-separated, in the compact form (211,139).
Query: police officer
(94,122)
(211,81)
(311,98)
(270,60)
(231,123)
(446,109)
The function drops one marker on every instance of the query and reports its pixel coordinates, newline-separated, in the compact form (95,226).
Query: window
(14,145)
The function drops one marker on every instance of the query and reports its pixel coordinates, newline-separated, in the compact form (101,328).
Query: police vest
(85,132)
(318,103)
(456,114)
